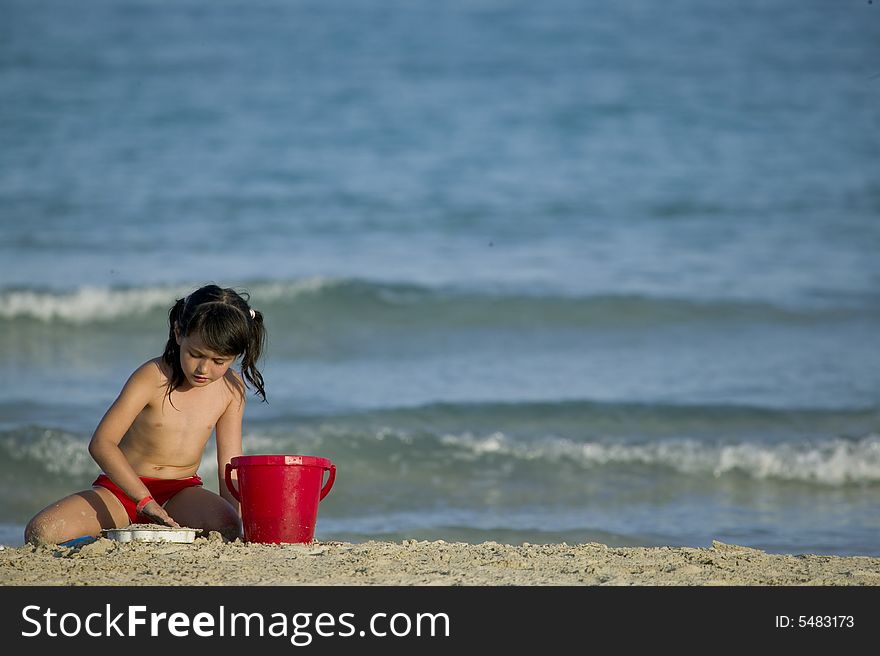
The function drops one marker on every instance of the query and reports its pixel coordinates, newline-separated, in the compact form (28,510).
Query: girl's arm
(229,435)
(104,446)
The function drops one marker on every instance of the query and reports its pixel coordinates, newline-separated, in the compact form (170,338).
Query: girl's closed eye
(217,361)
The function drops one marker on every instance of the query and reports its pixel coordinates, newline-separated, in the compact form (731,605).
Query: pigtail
(171,356)
(256,345)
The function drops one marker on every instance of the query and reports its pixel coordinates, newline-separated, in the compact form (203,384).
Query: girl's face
(201,365)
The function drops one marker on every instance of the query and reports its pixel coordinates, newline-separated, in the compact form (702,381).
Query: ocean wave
(362,300)
(590,420)
(832,462)
(92,304)
(46,450)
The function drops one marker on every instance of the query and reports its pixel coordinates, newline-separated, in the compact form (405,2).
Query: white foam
(55,451)
(87,304)
(831,462)
(90,303)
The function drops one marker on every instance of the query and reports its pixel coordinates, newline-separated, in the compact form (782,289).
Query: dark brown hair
(226,324)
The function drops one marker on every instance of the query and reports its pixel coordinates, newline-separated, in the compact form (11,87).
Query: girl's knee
(33,532)
(228,528)
(42,530)
(205,511)
(231,533)
(229,525)
(75,516)
(226,521)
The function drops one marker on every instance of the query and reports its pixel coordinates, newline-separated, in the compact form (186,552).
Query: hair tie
(253,314)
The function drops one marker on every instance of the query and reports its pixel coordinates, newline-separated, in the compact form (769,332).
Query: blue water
(559,271)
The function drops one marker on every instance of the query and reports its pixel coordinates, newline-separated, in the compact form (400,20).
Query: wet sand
(210,561)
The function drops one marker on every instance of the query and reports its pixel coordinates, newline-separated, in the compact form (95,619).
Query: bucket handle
(326,489)
(228,476)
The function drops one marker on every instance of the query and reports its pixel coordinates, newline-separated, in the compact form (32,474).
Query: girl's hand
(157,515)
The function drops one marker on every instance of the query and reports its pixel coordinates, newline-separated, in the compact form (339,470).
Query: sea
(559,271)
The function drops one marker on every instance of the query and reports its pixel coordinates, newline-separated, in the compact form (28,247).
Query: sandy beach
(210,561)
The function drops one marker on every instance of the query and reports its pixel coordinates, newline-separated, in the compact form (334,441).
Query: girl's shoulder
(235,385)
(153,371)
(146,381)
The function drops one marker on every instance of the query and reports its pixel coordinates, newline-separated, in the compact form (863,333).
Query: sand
(210,561)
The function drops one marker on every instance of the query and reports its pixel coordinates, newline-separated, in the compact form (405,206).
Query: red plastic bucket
(279,495)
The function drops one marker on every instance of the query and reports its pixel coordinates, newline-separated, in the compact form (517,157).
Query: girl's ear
(177,333)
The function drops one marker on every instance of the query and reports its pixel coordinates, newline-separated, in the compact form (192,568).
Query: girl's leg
(80,514)
(196,507)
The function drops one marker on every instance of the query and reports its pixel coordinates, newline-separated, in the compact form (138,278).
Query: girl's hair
(226,324)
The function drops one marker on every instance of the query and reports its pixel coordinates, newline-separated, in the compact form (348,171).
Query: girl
(150,442)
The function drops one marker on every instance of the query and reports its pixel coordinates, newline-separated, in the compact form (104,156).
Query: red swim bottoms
(161,489)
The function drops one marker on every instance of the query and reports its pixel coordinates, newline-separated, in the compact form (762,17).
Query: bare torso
(168,437)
